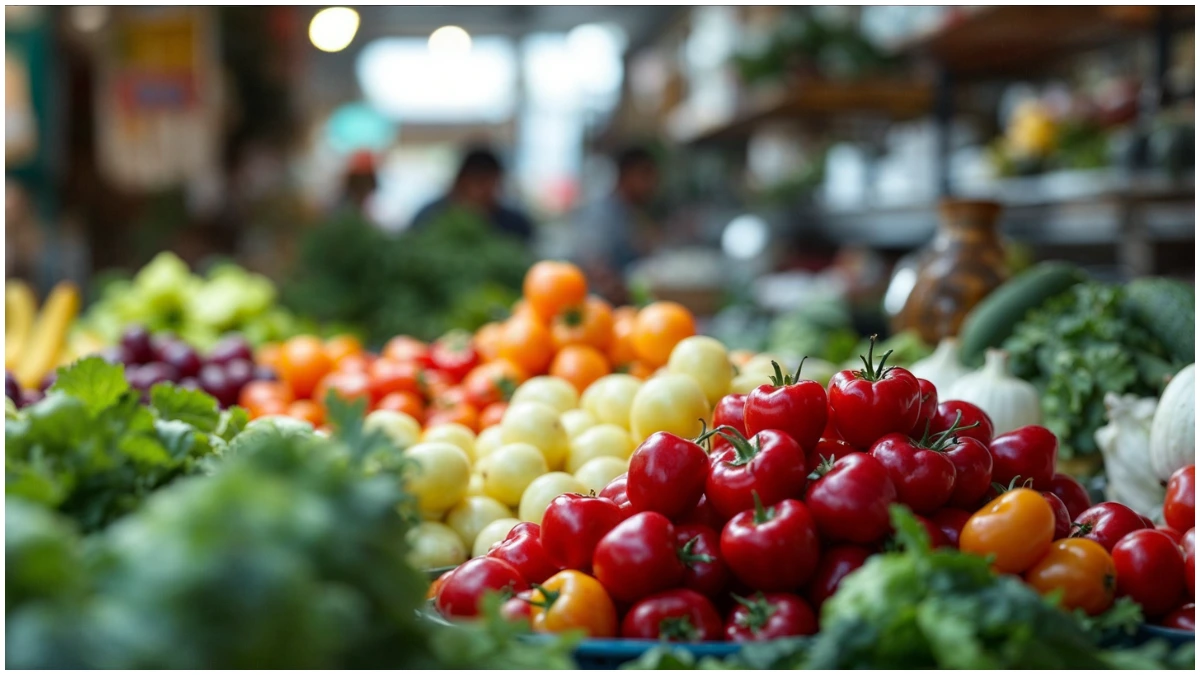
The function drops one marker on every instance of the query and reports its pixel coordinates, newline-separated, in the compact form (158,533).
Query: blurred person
(476,188)
(360,183)
(616,231)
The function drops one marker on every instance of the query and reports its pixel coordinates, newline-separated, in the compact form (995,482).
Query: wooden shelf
(1014,40)
(823,100)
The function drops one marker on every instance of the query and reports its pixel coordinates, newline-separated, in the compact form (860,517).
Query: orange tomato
(552,286)
(636,369)
(265,408)
(388,376)
(591,324)
(405,348)
(1082,570)
(522,308)
(487,340)
(348,385)
(341,346)
(492,382)
(459,413)
(580,365)
(492,414)
(659,327)
(308,411)
(573,600)
(258,392)
(620,346)
(1016,528)
(302,364)
(354,363)
(526,343)
(405,402)
(268,355)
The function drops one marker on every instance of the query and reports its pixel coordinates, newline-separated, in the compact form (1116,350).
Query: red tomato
(1189,558)
(934,532)
(700,550)
(928,409)
(492,414)
(406,349)
(972,471)
(616,492)
(771,465)
(405,402)
(518,608)
(1072,494)
(730,411)
(868,404)
(666,475)
(349,386)
(1062,520)
(492,382)
(834,565)
(950,521)
(454,354)
(1150,570)
(1026,453)
(387,377)
(461,413)
(768,617)
(1179,508)
(1183,618)
(1175,535)
(754,542)
(1107,523)
(522,549)
(829,450)
(572,526)
(850,503)
(703,514)
(972,420)
(638,558)
(923,477)
(461,592)
(680,615)
(796,407)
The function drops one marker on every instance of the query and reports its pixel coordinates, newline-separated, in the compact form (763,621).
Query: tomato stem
(872,373)
(688,557)
(678,628)
(548,597)
(741,445)
(759,611)
(761,515)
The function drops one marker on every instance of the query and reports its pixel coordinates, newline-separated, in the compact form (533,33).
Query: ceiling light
(333,28)
(449,41)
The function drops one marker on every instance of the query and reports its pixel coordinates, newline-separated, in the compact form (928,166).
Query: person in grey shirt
(477,188)
(614,232)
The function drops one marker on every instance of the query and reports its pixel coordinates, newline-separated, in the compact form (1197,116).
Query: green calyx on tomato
(746,451)
(689,557)
(779,379)
(678,628)
(758,611)
(761,514)
(939,441)
(1015,483)
(872,373)
(548,597)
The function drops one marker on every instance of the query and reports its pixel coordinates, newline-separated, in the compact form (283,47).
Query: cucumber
(994,319)
(1166,308)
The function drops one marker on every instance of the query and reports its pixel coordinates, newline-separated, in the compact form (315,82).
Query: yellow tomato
(542,491)
(671,403)
(455,433)
(433,545)
(441,475)
(705,360)
(486,442)
(495,531)
(538,425)
(602,440)
(475,487)
(761,363)
(510,469)
(472,514)
(577,421)
(401,429)
(553,391)
(599,472)
(610,398)
(747,382)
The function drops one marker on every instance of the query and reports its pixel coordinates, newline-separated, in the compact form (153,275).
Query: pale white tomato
(472,514)
(542,491)
(671,403)
(705,360)
(577,421)
(609,398)
(553,391)
(510,469)
(452,433)
(538,425)
(441,475)
(400,428)
(599,472)
(495,531)
(602,440)
(434,545)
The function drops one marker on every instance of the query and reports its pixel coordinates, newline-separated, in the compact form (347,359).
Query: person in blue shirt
(616,231)
(476,188)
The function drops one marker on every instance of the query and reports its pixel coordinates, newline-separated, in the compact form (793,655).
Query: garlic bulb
(1010,402)
(942,367)
(1123,443)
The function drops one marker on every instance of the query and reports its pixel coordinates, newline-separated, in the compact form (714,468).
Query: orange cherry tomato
(348,385)
(659,327)
(522,308)
(459,413)
(620,347)
(580,365)
(1082,570)
(257,392)
(526,343)
(405,402)
(492,414)
(405,348)
(573,600)
(388,376)
(302,364)
(552,286)
(269,407)
(1016,528)
(307,410)
(268,355)
(487,341)
(590,324)
(636,369)
(492,382)
(341,346)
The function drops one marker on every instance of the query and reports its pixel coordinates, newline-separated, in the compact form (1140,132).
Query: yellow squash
(19,307)
(49,335)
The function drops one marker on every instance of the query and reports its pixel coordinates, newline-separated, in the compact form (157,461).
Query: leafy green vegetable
(1076,348)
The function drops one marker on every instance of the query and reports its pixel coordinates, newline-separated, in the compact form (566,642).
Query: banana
(49,335)
(19,307)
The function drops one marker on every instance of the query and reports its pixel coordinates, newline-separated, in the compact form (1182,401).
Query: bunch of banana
(34,346)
